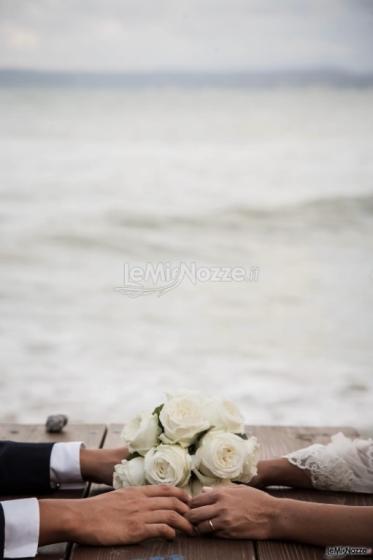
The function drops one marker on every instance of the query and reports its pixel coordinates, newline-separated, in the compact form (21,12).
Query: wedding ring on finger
(211,525)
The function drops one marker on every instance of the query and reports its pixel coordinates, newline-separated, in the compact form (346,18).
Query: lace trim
(341,465)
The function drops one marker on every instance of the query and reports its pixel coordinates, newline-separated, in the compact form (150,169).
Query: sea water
(279,179)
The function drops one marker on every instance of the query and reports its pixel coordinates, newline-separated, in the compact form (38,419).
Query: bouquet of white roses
(189,441)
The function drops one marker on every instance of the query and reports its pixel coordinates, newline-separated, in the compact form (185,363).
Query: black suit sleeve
(24,468)
(2,532)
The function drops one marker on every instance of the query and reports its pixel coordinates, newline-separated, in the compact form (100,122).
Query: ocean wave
(340,211)
(294,77)
(343,210)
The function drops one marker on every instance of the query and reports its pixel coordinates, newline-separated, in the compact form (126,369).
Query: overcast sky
(215,35)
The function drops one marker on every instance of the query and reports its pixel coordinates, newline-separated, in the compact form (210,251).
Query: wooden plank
(277,441)
(91,434)
(183,548)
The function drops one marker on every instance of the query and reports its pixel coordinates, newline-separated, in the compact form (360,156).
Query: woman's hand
(235,511)
(279,472)
(242,512)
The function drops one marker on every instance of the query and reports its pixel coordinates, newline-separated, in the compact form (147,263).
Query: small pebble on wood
(56,422)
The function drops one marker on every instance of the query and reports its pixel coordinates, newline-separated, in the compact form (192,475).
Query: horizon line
(246,77)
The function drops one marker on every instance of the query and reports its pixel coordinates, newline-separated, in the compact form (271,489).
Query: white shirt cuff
(22,521)
(65,465)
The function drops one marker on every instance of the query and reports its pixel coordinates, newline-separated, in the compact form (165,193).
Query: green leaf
(200,435)
(242,436)
(157,412)
(158,409)
(193,447)
(133,455)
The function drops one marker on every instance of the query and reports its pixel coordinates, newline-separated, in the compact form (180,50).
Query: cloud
(215,35)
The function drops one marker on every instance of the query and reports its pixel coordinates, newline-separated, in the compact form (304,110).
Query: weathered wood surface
(275,441)
(93,436)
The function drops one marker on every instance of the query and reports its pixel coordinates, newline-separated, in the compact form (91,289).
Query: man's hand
(236,512)
(124,516)
(97,465)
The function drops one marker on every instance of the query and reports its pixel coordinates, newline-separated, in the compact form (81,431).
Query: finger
(205,526)
(170,518)
(197,515)
(159,530)
(167,503)
(165,491)
(204,499)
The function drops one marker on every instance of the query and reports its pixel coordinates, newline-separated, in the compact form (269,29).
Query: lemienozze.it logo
(160,278)
(347,551)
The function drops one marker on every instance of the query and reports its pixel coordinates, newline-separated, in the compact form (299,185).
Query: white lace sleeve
(343,464)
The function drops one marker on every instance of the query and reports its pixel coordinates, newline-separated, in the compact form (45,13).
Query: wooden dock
(275,441)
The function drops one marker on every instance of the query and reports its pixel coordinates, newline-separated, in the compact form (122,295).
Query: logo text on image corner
(342,551)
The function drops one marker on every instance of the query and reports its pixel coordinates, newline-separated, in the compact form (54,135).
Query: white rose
(168,464)
(129,473)
(196,486)
(182,418)
(225,415)
(141,433)
(220,455)
(249,467)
